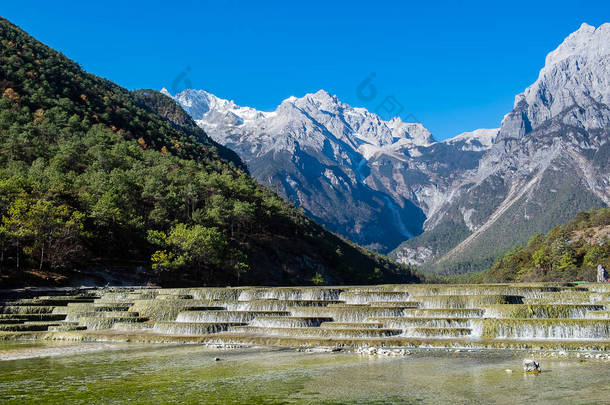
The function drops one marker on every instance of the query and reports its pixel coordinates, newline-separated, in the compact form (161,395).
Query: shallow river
(168,374)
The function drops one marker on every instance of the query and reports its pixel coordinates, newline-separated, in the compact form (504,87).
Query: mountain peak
(200,102)
(355,125)
(587,41)
(584,27)
(323,97)
(477,140)
(575,74)
(322,94)
(414,131)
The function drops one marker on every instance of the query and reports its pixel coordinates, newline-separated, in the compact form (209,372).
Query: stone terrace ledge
(517,316)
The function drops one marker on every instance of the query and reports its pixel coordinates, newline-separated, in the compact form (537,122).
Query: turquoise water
(188,374)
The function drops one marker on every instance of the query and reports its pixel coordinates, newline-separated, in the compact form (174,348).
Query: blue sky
(455,66)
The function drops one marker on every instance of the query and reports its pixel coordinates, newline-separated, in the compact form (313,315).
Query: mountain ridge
(339,154)
(559,124)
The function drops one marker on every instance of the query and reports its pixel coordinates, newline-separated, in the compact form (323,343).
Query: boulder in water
(531,366)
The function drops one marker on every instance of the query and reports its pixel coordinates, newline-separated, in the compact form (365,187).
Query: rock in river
(531,366)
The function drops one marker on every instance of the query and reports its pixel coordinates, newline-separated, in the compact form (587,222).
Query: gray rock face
(575,74)
(551,159)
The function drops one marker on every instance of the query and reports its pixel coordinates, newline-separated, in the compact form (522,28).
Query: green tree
(4,239)
(566,261)
(17,227)
(318,279)
(594,256)
(242,214)
(542,259)
(41,228)
(197,247)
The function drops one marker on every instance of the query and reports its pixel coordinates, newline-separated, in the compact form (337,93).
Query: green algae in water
(167,374)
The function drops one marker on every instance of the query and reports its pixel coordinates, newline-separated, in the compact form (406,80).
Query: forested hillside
(568,253)
(97,180)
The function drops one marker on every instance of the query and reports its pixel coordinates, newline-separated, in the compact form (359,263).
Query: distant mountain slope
(372,181)
(549,161)
(98,183)
(568,253)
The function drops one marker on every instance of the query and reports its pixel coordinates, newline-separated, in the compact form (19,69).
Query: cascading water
(464,301)
(444,313)
(598,314)
(190,328)
(291,294)
(321,333)
(26,309)
(76,316)
(437,333)
(225,316)
(352,325)
(405,323)
(540,329)
(400,315)
(574,311)
(366,297)
(346,313)
(287,321)
(101,322)
(274,304)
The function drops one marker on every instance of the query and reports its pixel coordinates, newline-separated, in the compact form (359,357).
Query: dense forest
(567,253)
(99,182)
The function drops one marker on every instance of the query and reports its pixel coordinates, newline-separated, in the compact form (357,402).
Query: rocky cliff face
(371,180)
(550,160)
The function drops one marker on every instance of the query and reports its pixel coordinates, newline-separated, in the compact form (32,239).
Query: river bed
(94,373)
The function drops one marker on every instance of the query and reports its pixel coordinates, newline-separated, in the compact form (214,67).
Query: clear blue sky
(456,66)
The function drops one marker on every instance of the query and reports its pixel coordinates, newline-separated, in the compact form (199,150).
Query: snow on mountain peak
(321,100)
(414,131)
(322,95)
(477,140)
(199,102)
(315,114)
(210,110)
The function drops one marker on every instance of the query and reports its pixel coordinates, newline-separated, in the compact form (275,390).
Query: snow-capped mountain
(364,132)
(370,180)
(550,160)
(479,193)
(477,140)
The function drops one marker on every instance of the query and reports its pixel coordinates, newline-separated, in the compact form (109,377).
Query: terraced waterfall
(498,315)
